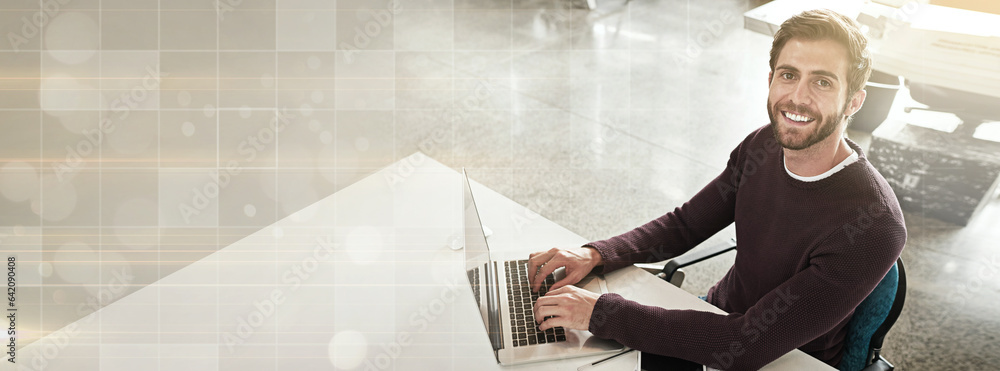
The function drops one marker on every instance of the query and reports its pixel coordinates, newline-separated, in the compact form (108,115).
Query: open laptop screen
(482,276)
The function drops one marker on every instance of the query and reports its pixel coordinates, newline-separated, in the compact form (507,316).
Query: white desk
(388,294)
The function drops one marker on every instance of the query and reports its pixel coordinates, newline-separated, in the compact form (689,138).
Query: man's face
(808,97)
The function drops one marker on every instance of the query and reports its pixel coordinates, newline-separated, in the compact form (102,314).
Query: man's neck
(819,158)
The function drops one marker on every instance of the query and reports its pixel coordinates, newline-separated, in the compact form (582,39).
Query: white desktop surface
(389,275)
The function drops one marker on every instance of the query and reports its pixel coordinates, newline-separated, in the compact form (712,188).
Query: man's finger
(548,311)
(536,260)
(546,270)
(546,301)
(558,321)
(561,290)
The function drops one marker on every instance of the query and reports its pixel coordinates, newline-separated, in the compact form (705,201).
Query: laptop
(506,302)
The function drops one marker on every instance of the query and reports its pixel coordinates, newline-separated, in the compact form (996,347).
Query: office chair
(973,109)
(867,328)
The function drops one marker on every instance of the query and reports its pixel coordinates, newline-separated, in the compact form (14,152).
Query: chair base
(880,364)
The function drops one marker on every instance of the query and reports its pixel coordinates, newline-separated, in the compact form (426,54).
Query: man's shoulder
(761,136)
(866,182)
(760,144)
(874,213)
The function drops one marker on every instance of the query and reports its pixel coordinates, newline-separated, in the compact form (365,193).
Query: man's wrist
(595,256)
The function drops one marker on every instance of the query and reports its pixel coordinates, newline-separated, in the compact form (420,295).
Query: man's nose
(801,94)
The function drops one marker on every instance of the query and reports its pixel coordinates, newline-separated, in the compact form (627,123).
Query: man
(817,226)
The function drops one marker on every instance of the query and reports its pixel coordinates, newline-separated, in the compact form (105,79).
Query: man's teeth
(798,118)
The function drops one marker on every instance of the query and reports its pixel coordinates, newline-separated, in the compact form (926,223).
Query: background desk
(925,43)
(363,279)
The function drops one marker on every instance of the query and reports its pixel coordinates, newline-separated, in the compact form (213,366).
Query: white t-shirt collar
(847,161)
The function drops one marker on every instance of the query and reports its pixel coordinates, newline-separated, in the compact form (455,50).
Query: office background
(140,136)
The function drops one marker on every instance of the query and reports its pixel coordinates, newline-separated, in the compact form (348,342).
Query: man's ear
(769,76)
(856,102)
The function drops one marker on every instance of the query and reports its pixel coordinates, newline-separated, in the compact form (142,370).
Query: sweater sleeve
(708,212)
(841,273)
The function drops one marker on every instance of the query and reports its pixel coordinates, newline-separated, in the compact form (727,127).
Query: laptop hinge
(493,306)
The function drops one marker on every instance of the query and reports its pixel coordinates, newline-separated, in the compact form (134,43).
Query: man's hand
(571,307)
(578,263)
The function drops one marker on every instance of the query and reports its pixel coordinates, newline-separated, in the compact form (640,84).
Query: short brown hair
(824,24)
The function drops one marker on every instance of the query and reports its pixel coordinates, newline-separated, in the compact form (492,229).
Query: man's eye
(787,76)
(824,83)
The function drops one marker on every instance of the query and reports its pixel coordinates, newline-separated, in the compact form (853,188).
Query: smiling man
(818,227)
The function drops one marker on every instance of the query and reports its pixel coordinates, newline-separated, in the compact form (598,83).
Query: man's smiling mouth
(797,117)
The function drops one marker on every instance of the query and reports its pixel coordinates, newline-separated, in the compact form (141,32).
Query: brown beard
(826,126)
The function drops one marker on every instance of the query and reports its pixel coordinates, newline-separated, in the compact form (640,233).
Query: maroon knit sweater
(808,254)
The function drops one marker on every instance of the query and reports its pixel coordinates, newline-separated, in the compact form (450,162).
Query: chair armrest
(671,271)
(695,257)
(656,269)
(651,268)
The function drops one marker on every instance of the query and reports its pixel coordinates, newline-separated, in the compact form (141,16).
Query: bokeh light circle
(72,37)
(184,98)
(305,109)
(45,269)
(326,137)
(209,110)
(348,349)
(60,296)
(62,96)
(361,144)
(250,210)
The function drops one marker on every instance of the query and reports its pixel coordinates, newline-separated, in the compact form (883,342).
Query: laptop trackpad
(592,282)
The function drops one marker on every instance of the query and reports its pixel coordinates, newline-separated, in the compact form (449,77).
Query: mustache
(787,106)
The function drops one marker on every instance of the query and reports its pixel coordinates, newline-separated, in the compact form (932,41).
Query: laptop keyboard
(522,300)
(474,280)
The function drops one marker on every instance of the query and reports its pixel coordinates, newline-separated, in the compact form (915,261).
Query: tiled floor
(599,120)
